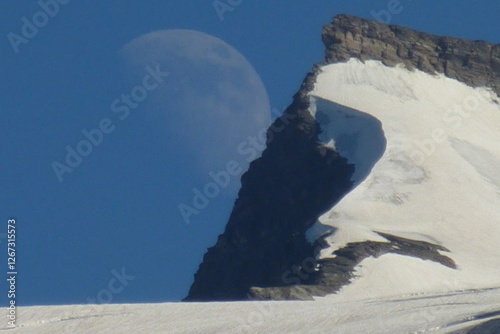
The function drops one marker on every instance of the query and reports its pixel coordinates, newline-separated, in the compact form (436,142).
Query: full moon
(210,103)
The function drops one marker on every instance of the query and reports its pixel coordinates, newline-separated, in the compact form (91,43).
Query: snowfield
(427,155)
(404,314)
(427,168)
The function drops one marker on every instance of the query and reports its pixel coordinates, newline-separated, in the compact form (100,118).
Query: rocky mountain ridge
(475,63)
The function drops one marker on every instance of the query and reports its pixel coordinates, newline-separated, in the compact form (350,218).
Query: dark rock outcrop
(475,63)
(329,275)
(263,252)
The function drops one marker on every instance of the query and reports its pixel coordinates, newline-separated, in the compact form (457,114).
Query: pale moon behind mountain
(210,103)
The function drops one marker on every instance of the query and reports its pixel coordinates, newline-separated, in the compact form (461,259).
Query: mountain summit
(381,178)
(475,63)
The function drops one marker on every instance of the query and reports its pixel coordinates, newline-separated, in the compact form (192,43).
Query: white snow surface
(427,157)
(398,315)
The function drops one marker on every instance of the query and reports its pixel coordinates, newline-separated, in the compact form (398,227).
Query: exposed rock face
(476,63)
(263,252)
(326,276)
(282,195)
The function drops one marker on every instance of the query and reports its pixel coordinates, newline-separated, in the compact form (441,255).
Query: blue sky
(112,229)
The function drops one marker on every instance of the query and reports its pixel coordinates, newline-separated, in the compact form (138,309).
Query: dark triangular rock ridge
(263,252)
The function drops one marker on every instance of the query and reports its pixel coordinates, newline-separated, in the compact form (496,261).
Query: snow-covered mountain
(411,121)
(380,179)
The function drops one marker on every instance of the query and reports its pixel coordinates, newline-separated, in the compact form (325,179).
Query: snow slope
(427,163)
(407,314)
